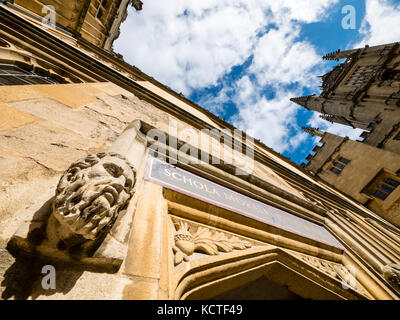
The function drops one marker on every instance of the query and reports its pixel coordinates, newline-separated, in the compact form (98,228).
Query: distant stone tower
(362,92)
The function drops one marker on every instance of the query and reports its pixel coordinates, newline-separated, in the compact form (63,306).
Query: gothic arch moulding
(209,263)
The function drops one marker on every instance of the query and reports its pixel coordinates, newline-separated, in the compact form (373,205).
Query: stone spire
(312,102)
(303,101)
(314,131)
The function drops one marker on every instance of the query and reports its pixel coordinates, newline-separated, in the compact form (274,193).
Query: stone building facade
(96,21)
(362,92)
(123,189)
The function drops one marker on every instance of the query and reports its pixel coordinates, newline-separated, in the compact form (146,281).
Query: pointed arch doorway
(259,274)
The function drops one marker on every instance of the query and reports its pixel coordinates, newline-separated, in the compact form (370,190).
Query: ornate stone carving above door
(204,240)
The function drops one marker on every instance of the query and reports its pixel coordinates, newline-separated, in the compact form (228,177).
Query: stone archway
(226,275)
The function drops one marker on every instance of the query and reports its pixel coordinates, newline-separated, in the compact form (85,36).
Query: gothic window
(344,160)
(379,194)
(392,182)
(338,165)
(11,74)
(383,190)
(382,185)
(361,75)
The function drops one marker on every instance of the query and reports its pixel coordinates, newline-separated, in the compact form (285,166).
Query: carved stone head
(90,195)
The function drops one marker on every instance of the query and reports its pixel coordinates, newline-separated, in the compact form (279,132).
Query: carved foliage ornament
(203,240)
(90,195)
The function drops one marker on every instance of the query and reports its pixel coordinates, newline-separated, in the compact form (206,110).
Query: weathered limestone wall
(78,16)
(43,129)
(360,171)
(330,143)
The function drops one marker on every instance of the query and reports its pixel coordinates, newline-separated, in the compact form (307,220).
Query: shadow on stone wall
(23,278)
(22,262)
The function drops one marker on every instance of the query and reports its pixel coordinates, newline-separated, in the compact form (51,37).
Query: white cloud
(381,23)
(215,102)
(190,50)
(270,120)
(280,60)
(188,44)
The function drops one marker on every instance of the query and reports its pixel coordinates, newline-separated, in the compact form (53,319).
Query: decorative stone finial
(332,56)
(327,117)
(313,131)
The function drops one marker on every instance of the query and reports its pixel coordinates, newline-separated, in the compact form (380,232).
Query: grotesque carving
(88,199)
(205,241)
(391,273)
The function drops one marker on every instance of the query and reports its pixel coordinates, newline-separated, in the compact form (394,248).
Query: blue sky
(244,59)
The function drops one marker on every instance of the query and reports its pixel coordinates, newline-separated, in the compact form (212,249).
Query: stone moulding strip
(202,273)
(263,234)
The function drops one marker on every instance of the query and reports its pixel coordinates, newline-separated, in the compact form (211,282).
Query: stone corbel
(88,221)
